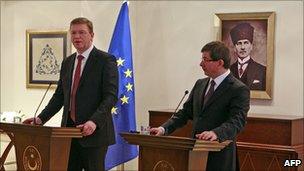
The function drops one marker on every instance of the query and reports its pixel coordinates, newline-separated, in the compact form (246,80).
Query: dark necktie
(210,92)
(75,86)
(241,71)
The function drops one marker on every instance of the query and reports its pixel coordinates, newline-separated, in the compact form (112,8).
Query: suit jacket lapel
(219,91)
(234,69)
(202,92)
(88,66)
(70,71)
(250,69)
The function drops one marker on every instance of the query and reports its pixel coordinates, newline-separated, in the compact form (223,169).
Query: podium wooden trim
(39,147)
(172,153)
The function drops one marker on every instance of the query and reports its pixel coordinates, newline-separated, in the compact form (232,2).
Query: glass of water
(145,130)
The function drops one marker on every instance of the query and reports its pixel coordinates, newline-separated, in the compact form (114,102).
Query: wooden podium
(170,153)
(264,144)
(39,147)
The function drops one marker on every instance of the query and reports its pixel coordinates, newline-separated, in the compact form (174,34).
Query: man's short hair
(82,20)
(242,31)
(218,50)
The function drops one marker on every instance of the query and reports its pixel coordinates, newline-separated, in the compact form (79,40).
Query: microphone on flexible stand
(41,102)
(186,92)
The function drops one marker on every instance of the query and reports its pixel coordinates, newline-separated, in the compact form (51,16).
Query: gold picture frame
(262,24)
(45,51)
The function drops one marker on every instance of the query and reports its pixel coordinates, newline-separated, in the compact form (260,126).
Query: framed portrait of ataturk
(250,39)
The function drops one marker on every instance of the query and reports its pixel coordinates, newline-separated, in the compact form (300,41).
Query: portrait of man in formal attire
(247,41)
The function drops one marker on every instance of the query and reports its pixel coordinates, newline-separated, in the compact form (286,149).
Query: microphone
(186,92)
(41,102)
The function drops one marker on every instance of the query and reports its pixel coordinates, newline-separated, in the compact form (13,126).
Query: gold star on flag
(120,62)
(124,99)
(129,87)
(114,110)
(128,73)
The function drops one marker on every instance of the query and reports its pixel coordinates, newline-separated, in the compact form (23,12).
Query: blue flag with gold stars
(124,111)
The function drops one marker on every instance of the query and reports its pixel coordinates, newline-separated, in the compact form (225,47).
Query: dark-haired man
(245,68)
(218,106)
(87,90)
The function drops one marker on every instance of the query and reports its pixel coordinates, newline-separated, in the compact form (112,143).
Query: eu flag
(124,111)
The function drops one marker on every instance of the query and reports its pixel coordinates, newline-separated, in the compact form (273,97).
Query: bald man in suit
(218,106)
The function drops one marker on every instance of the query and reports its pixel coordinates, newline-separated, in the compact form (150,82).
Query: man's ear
(221,62)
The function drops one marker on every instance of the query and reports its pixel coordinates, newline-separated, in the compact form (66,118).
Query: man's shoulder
(101,55)
(236,82)
(257,65)
(100,52)
(201,80)
(69,58)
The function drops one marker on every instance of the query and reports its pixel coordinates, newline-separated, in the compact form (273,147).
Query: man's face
(81,37)
(209,66)
(243,48)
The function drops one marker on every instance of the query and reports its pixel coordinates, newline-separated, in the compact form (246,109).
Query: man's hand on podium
(157,131)
(207,135)
(31,121)
(87,128)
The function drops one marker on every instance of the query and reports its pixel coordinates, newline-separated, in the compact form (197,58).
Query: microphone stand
(40,103)
(186,92)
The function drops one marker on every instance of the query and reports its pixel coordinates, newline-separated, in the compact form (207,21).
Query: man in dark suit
(87,89)
(245,68)
(218,106)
